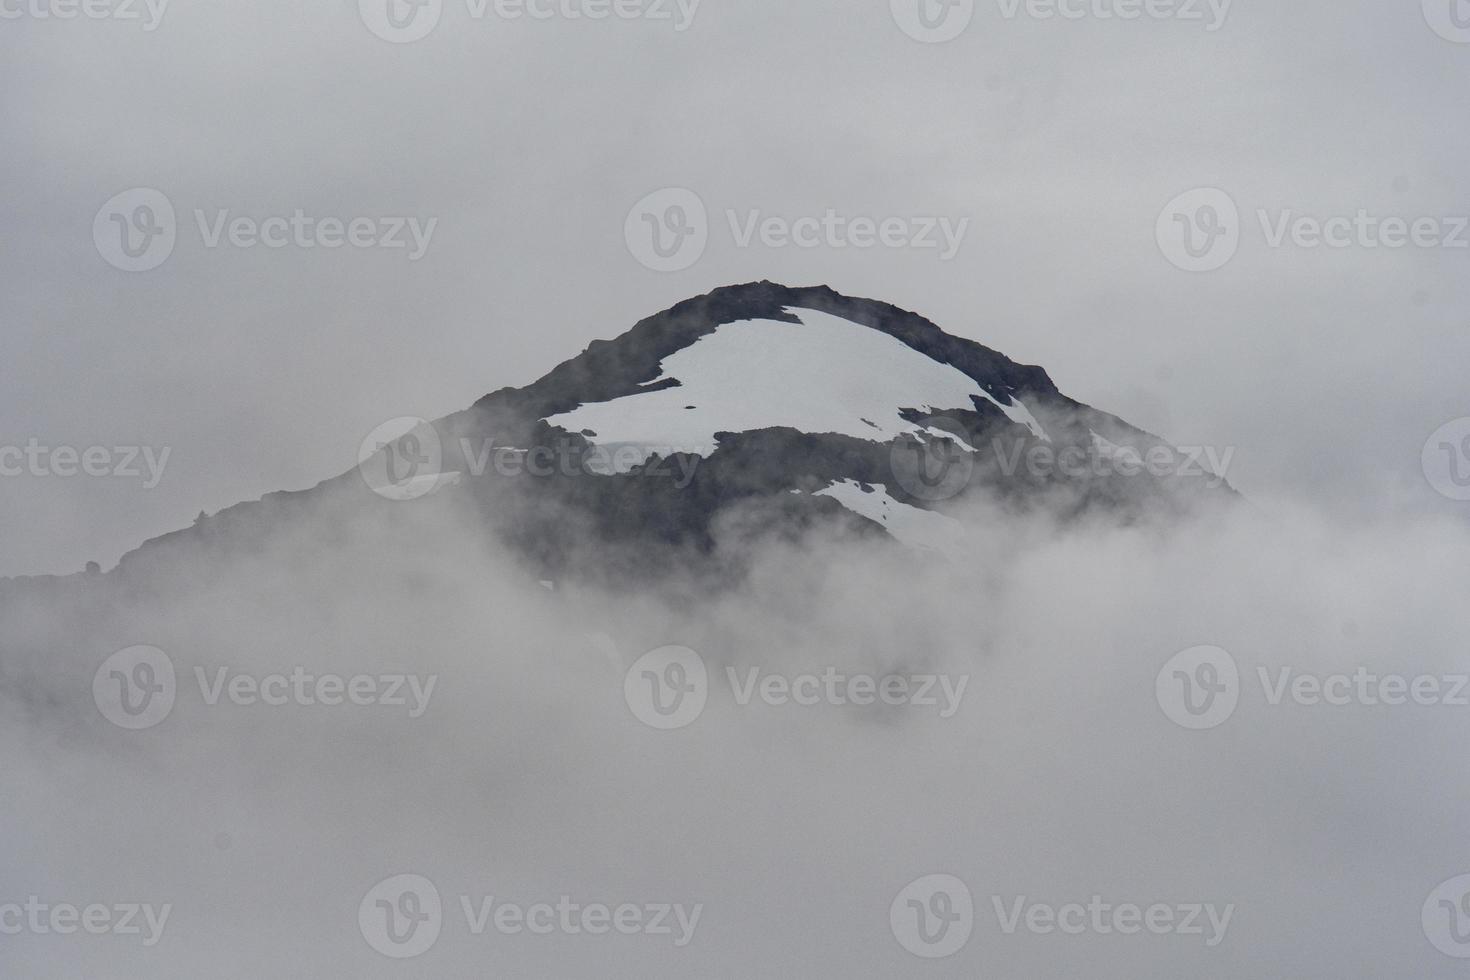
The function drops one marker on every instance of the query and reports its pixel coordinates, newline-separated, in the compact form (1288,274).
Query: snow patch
(913,526)
(824,374)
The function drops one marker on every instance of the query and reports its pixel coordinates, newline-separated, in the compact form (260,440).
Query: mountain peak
(758,406)
(608,368)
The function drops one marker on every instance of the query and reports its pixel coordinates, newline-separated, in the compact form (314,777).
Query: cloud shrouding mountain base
(526,777)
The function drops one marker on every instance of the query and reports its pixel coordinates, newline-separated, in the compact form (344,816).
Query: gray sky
(529,141)
(1334,832)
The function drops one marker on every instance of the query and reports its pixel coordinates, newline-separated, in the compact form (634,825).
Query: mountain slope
(755,410)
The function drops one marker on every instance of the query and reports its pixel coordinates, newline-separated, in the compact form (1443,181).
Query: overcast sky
(1101,181)
(526,143)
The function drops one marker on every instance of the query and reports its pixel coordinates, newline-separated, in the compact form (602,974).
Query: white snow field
(822,375)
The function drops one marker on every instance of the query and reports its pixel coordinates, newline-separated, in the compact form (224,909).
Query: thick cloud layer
(1053,772)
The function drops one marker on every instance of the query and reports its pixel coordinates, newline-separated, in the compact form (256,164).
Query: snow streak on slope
(822,375)
(912,526)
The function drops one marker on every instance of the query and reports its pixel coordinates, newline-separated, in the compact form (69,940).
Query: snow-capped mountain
(802,403)
(754,410)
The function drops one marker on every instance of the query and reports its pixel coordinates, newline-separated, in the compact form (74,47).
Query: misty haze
(686,488)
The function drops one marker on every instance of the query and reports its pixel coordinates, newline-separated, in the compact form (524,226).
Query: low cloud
(1061,780)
